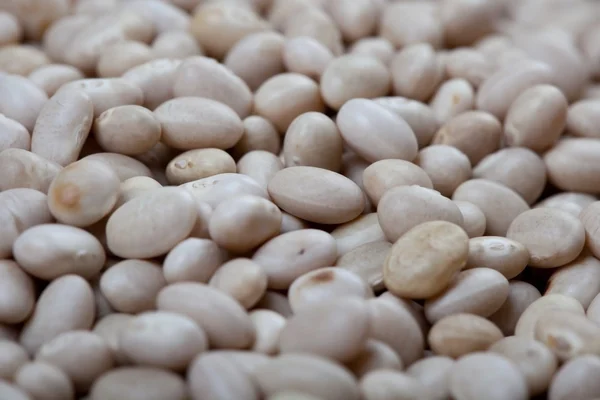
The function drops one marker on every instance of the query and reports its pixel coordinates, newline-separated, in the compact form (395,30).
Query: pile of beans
(299,199)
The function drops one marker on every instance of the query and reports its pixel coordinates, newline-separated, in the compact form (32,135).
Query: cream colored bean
(62,33)
(65,350)
(354,19)
(161,15)
(204,77)
(44,381)
(307,56)
(362,230)
(12,32)
(318,24)
(268,325)
(284,97)
(275,301)
(11,391)
(155,79)
(54,313)
(520,296)
(216,189)
(21,100)
(500,204)
(260,165)
(548,105)
(376,47)
(475,133)
(390,137)
(418,115)
(200,229)
(134,235)
(324,284)
(257,57)
(383,175)
(106,93)
(582,118)
(14,135)
(20,209)
(131,286)
(464,23)
(394,325)
(174,340)
(478,291)
(571,165)
(468,64)
(452,98)
(259,134)
(433,372)
(313,139)
(135,187)
(51,77)
(309,374)
(579,279)
(536,361)
(175,45)
(17,294)
(415,309)
(571,202)
(343,79)
(375,356)
(48,251)
(193,260)
(118,58)
(126,167)
(288,256)
(110,328)
(242,279)
(21,59)
(548,304)
(406,23)
(12,357)
(576,379)
(24,169)
(316,195)
(384,384)
(197,164)
(504,255)
(475,374)
(226,323)
(568,335)
(138,383)
(419,204)
(474,222)
(446,166)
(244,223)
(416,72)
(552,237)
(367,262)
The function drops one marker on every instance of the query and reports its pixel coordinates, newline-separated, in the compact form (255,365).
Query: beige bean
(571,202)
(433,372)
(106,93)
(131,286)
(390,136)
(135,187)
(324,284)
(44,381)
(307,56)
(469,64)
(12,357)
(466,22)
(62,33)
(316,195)
(387,384)
(226,323)
(415,309)
(309,374)
(21,59)
(259,134)
(452,98)
(139,383)
(21,100)
(404,207)
(552,237)
(54,313)
(474,375)
(313,139)
(548,304)
(343,79)
(268,325)
(474,222)
(51,77)
(17,294)
(14,135)
(500,204)
(548,105)
(163,16)
(257,57)
(290,255)
(355,19)
(447,167)
(155,79)
(218,188)
(260,165)
(118,58)
(582,118)
(126,167)
(109,328)
(242,279)
(475,133)
(418,115)
(283,97)
(162,339)
(567,334)
(134,235)
(383,175)
(478,291)
(175,45)
(362,230)
(11,391)
(579,279)
(376,47)
(197,164)
(49,251)
(20,209)
(393,324)
(534,360)
(315,22)
(367,261)
(375,356)
(576,379)
(24,169)
(504,255)
(12,32)
(520,296)
(571,165)
(406,23)
(416,72)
